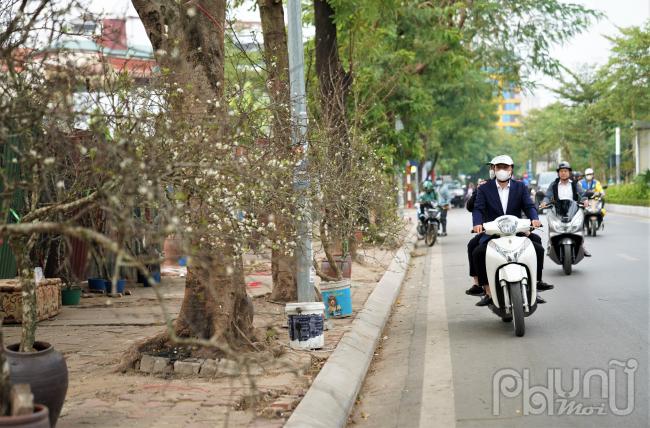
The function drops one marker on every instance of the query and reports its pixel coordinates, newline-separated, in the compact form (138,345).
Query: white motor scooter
(511,266)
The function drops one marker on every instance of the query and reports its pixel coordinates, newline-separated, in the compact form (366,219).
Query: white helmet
(505,159)
(589,171)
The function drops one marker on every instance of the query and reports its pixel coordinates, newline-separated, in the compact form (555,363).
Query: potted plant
(70,294)
(17,408)
(33,362)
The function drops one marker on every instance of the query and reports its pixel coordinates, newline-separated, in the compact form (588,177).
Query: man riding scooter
(595,212)
(563,188)
(426,199)
(498,197)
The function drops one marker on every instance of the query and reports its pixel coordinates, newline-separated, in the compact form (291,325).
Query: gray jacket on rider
(552,193)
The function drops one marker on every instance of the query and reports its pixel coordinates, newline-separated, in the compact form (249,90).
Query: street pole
(299,139)
(618,155)
(400,182)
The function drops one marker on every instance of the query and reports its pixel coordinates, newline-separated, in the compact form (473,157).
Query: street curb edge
(332,395)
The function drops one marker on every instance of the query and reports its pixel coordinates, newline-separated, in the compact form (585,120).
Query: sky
(590,47)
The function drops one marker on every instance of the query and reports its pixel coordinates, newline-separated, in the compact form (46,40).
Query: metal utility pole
(299,138)
(618,155)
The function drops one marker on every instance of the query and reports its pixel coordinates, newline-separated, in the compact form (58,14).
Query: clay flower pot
(46,373)
(38,419)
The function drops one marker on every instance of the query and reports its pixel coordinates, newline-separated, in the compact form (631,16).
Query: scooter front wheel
(431,234)
(594,225)
(517,302)
(567,259)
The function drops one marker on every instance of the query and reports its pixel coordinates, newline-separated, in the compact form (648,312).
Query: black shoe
(475,291)
(542,286)
(486,300)
(540,301)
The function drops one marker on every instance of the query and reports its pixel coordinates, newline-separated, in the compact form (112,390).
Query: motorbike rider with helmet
(426,199)
(497,197)
(564,188)
(444,200)
(590,184)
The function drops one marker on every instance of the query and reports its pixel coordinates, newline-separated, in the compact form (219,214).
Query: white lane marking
(627,257)
(438,407)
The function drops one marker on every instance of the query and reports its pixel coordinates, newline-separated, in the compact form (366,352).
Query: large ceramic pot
(38,419)
(46,373)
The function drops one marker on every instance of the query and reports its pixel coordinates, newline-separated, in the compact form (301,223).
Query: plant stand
(48,299)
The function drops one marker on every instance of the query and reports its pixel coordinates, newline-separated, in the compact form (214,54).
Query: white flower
(48,161)
(60,184)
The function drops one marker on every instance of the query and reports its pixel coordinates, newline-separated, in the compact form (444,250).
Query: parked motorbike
(511,266)
(430,224)
(594,213)
(565,234)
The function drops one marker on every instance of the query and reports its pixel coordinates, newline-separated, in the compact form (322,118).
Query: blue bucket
(156,278)
(97,284)
(337,298)
(121,283)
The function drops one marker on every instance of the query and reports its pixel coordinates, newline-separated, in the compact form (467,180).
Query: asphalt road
(444,362)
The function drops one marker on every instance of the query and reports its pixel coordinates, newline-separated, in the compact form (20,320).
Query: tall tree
(276,58)
(188,41)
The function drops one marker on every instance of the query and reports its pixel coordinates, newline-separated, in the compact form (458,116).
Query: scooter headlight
(556,224)
(507,226)
(510,256)
(576,224)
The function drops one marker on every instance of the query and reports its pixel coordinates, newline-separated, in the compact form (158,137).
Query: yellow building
(508,102)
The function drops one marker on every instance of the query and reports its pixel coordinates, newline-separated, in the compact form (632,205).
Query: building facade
(508,100)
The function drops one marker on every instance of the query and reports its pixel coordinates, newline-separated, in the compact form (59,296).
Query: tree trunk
(215,304)
(5,380)
(276,57)
(334,83)
(28,287)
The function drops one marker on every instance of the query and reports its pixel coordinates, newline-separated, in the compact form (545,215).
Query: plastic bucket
(344,264)
(305,325)
(121,283)
(97,284)
(337,298)
(156,277)
(70,296)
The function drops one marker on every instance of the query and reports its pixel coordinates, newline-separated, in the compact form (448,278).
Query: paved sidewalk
(94,335)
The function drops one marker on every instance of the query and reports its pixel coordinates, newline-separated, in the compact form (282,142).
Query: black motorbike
(430,223)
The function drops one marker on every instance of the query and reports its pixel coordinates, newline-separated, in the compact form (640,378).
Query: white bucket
(305,324)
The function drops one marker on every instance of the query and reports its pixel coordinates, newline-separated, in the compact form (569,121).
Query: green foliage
(593,103)
(636,193)
(431,65)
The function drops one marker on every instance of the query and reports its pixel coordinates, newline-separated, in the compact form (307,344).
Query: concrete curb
(628,210)
(330,398)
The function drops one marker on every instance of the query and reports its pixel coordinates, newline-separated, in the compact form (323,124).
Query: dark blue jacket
(488,204)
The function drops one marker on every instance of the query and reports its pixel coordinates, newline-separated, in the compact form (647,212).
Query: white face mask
(492,174)
(503,175)
(589,177)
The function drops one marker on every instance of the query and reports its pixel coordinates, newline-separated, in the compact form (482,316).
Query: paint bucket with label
(336,298)
(305,325)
